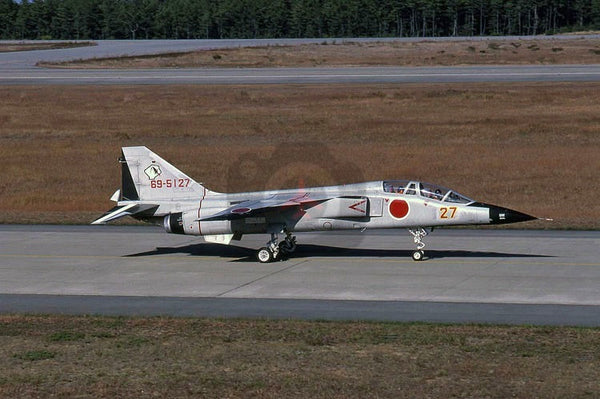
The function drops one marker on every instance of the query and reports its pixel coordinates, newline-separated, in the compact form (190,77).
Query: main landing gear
(274,250)
(418,235)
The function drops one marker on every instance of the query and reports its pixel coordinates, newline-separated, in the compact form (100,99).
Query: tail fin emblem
(152,171)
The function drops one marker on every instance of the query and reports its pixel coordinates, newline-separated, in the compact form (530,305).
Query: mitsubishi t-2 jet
(153,190)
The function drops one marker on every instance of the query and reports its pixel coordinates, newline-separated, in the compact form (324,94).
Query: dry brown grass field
(101,357)
(532,147)
(495,52)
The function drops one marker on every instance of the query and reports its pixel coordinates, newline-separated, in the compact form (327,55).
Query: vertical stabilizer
(128,189)
(147,177)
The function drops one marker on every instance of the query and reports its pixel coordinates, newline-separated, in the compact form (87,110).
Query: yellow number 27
(447,213)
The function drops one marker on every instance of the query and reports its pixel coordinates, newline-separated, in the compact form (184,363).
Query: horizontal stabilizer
(123,210)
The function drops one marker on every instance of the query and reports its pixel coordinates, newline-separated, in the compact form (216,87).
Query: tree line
(224,19)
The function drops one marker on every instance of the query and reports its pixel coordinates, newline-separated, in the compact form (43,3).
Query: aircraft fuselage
(156,191)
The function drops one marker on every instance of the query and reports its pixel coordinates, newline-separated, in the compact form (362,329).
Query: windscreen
(427,190)
(444,194)
(395,186)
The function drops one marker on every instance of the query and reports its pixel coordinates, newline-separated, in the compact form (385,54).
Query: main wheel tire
(292,248)
(286,248)
(264,255)
(418,255)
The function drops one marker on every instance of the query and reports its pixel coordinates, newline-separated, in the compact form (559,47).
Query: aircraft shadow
(241,254)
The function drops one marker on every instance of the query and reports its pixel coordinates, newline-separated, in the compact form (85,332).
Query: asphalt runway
(489,276)
(18,68)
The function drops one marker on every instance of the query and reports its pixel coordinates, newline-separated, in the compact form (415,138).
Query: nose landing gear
(418,235)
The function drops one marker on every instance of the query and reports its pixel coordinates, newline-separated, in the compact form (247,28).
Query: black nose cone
(500,215)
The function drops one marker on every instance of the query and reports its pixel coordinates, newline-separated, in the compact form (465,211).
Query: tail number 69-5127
(170,183)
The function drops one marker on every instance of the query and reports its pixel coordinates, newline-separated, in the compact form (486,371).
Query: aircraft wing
(253,208)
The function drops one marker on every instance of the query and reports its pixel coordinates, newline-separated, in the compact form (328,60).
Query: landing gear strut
(274,250)
(418,235)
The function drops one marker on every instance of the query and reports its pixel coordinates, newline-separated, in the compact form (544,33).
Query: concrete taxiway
(330,75)
(499,276)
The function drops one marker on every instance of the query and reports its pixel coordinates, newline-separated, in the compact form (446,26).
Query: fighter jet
(155,191)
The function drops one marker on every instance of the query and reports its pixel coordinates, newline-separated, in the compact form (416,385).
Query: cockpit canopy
(426,190)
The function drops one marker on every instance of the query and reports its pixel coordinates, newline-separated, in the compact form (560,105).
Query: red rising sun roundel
(399,208)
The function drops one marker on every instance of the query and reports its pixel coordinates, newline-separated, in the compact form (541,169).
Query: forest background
(223,19)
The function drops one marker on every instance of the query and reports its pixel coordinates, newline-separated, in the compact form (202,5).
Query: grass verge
(132,357)
(529,146)
(421,53)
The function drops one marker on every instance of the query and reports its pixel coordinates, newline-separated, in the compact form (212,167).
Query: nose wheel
(418,255)
(418,235)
